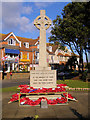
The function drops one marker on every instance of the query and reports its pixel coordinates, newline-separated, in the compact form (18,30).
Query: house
(22,54)
(16,52)
(28,51)
(58,58)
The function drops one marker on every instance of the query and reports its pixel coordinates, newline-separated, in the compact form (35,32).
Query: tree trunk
(81,58)
(82,64)
(86,59)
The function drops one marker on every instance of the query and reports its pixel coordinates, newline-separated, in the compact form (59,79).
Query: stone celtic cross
(42,22)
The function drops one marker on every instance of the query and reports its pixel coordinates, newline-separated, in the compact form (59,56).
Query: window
(38,46)
(26,44)
(11,41)
(52,58)
(21,55)
(27,55)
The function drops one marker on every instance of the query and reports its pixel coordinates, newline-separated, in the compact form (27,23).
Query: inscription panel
(43,78)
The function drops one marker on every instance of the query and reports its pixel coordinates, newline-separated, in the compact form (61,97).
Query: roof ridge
(27,38)
(2,34)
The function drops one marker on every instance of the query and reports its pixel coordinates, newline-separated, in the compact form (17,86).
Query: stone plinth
(44,104)
(42,68)
(43,78)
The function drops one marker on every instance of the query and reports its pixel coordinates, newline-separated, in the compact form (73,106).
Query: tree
(72,62)
(73,29)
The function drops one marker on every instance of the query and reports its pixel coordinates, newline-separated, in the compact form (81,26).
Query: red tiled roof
(29,40)
(60,54)
(54,48)
(67,55)
(22,39)
(50,52)
(75,55)
(3,36)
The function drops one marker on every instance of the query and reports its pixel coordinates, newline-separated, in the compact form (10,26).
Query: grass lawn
(12,89)
(70,83)
(75,83)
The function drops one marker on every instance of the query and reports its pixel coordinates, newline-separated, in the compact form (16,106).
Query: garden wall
(18,76)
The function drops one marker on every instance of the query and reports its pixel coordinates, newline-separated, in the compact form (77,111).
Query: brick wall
(0,75)
(19,76)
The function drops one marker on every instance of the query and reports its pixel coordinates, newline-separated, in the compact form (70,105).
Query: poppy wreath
(15,97)
(61,85)
(41,90)
(23,100)
(61,100)
(23,86)
(27,86)
(24,90)
(43,98)
(64,94)
(27,101)
(33,102)
(52,102)
(28,89)
(69,96)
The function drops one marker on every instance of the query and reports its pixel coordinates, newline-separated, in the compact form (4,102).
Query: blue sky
(18,17)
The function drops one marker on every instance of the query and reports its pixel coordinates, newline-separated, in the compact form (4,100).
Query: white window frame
(13,42)
(21,55)
(26,44)
(28,56)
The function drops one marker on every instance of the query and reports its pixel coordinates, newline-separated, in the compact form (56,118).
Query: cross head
(42,21)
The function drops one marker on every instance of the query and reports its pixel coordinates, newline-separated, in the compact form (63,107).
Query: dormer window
(26,44)
(11,42)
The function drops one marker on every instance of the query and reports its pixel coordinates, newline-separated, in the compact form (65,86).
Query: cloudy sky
(18,17)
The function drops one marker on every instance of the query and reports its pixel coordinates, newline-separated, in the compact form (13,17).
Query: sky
(18,17)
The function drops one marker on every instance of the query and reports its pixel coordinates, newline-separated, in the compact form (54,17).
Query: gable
(12,36)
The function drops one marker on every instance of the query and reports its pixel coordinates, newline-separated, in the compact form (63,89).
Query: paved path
(73,110)
(15,82)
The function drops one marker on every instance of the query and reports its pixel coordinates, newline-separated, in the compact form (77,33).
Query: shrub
(84,75)
(63,78)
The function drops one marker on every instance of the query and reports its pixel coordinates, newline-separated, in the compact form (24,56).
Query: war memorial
(43,89)
(42,75)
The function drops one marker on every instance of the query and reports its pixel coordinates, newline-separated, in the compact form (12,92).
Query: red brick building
(16,53)
(22,54)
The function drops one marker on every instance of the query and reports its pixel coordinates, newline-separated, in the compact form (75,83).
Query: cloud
(26,26)
(27,10)
(41,4)
(43,0)
(10,15)
(12,19)
(13,0)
